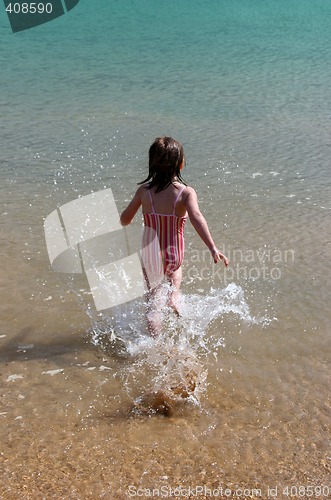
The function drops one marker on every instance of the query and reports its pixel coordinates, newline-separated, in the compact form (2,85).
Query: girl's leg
(155,304)
(175,279)
(154,311)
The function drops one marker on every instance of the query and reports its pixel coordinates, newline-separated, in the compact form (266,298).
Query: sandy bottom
(71,430)
(79,421)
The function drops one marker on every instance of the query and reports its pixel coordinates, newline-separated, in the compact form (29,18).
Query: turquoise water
(245,86)
(242,83)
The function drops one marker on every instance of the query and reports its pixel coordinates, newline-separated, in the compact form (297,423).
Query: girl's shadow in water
(22,348)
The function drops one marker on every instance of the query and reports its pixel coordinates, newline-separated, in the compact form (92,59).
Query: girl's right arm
(132,208)
(200,225)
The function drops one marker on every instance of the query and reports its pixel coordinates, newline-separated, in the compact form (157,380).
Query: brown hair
(166,155)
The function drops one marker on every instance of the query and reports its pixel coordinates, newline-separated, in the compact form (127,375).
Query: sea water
(235,392)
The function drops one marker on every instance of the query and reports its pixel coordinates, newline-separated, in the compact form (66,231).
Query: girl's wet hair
(166,155)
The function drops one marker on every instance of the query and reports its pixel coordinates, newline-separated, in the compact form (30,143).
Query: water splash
(171,369)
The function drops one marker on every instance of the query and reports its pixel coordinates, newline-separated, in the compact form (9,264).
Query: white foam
(14,377)
(103,368)
(53,372)
(25,347)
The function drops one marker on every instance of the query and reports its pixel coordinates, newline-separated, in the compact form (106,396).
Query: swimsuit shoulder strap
(150,197)
(177,198)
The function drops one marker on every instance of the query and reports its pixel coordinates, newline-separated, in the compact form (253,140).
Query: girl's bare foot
(174,308)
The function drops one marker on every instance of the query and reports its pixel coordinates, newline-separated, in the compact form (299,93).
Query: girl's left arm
(132,208)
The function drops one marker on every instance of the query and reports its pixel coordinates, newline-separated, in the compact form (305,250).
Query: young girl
(166,202)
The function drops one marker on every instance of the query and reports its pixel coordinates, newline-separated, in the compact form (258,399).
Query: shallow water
(235,392)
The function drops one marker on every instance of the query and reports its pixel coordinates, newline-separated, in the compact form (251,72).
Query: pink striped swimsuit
(169,229)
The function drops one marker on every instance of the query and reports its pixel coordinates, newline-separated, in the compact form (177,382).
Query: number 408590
(29,8)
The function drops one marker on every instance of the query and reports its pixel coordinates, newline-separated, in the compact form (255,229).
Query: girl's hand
(218,255)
